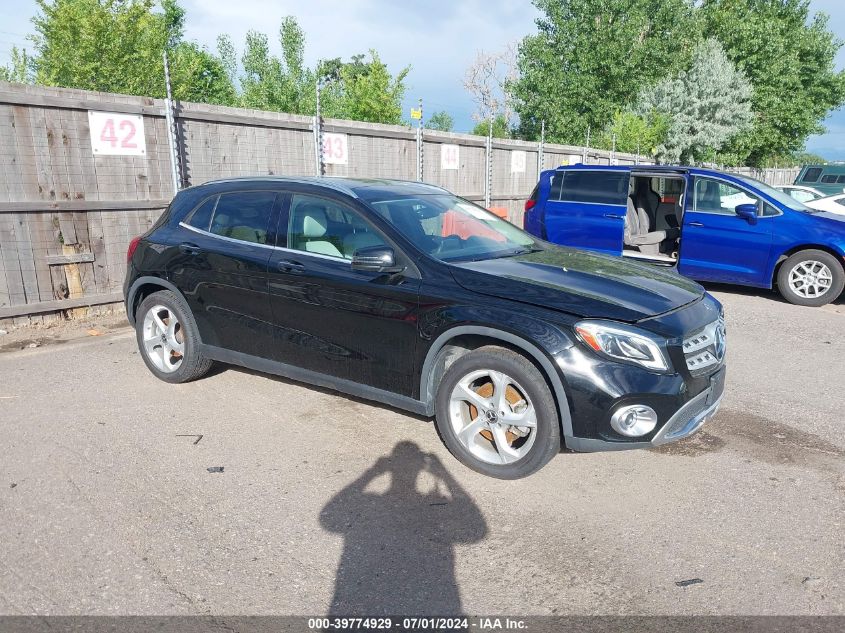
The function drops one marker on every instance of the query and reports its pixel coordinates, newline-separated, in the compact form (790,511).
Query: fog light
(634,420)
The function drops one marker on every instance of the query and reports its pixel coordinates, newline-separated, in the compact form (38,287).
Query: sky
(439,39)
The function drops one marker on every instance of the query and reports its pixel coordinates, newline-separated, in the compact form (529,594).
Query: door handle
(189,249)
(695,224)
(614,216)
(290,266)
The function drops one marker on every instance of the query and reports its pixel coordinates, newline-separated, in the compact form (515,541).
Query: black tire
(546,444)
(193,364)
(832,263)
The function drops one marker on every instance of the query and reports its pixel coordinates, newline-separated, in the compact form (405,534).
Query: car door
(590,210)
(225,245)
(329,318)
(719,245)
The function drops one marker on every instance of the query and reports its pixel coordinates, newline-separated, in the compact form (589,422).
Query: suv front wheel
(496,414)
(811,278)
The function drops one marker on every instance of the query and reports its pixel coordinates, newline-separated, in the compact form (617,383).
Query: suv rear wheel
(496,413)
(167,338)
(811,278)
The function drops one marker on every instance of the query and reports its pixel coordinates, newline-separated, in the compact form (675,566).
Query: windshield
(784,198)
(453,229)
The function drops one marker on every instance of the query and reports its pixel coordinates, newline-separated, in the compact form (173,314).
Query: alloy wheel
(164,342)
(492,417)
(810,279)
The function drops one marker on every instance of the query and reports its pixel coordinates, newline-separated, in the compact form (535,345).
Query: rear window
(201,217)
(243,215)
(812,174)
(595,187)
(828,178)
(557,181)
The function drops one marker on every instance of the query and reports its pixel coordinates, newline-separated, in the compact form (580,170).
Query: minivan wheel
(496,414)
(811,278)
(167,338)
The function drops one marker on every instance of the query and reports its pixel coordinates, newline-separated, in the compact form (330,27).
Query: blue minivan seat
(642,207)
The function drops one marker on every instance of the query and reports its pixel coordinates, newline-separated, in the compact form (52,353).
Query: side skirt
(314,378)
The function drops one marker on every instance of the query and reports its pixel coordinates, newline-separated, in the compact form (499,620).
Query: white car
(801,193)
(831,204)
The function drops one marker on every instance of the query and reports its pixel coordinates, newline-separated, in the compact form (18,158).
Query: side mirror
(747,212)
(376,259)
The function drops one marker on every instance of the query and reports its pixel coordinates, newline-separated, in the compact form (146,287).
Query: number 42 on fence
(117,134)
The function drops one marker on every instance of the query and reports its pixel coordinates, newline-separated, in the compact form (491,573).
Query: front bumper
(686,421)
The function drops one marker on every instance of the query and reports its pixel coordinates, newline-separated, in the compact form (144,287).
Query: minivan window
(557,181)
(812,174)
(201,217)
(716,196)
(243,215)
(595,187)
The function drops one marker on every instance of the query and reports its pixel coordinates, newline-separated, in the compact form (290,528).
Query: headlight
(623,343)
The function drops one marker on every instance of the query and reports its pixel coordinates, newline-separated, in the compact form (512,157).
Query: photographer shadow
(398,554)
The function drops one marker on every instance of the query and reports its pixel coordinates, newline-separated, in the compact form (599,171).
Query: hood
(581,283)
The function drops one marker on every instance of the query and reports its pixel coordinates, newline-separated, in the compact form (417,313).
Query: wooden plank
(76,103)
(81,205)
(66,304)
(74,258)
(42,237)
(26,260)
(67,228)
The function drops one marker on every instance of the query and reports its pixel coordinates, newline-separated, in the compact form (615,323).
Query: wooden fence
(67,214)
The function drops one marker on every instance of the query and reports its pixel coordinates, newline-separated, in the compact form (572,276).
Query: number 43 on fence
(117,134)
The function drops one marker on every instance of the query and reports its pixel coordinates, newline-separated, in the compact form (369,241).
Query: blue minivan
(710,225)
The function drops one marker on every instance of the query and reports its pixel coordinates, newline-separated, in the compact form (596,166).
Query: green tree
(789,57)
(500,127)
(441,121)
(706,106)
(361,89)
(635,133)
(590,58)
(118,46)
(20,68)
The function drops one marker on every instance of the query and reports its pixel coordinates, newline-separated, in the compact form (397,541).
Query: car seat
(642,206)
(310,228)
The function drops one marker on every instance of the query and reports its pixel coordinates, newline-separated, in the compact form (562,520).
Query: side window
(812,175)
(840,179)
(840,201)
(243,215)
(321,226)
(596,187)
(828,178)
(715,196)
(557,181)
(201,217)
(769,210)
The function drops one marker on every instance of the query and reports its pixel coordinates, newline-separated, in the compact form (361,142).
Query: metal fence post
(318,134)
(585,154)
(541,160)
(170,120)
(488,164)
(420,156)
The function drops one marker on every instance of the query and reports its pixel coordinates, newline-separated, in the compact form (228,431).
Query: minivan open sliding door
(586,209)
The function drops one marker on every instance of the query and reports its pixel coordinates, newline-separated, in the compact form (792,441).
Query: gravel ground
(327,504)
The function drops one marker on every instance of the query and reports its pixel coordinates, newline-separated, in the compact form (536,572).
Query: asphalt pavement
(248,494)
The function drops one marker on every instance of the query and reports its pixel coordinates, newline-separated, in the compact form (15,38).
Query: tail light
(131,250)
(530,203)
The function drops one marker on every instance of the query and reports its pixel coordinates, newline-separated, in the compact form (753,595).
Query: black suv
(408,295)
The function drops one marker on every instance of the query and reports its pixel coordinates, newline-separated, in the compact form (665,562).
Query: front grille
(705,348)
(684,416)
